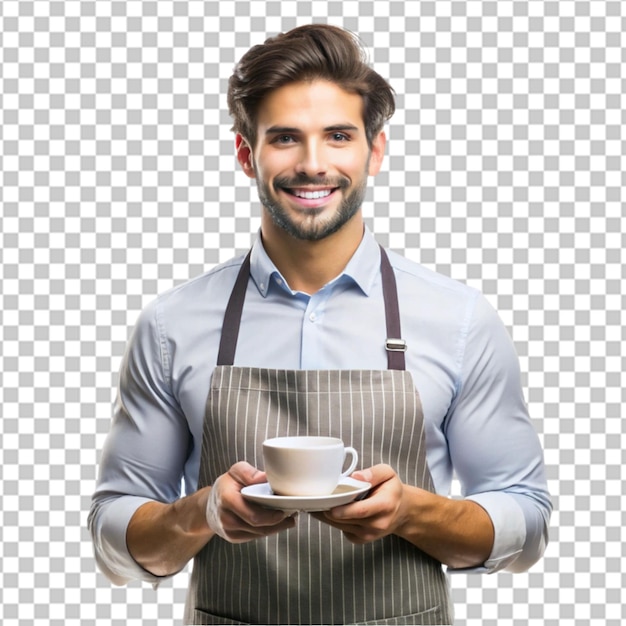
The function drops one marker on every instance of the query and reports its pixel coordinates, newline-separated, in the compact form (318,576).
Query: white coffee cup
(306,466)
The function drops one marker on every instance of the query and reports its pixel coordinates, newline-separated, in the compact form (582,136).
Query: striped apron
(310,574)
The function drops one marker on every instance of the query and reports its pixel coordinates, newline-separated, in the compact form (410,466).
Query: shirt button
(312,317)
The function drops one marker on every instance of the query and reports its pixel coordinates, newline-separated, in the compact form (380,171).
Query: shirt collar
(363,268)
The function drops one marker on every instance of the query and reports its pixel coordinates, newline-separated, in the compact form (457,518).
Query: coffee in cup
(306,466)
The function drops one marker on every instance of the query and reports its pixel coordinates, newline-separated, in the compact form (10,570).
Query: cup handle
(349,450)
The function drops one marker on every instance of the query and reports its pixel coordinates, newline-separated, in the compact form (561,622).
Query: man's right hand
(234,518)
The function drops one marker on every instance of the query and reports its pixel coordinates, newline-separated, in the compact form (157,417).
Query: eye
(340,137)
(283,139)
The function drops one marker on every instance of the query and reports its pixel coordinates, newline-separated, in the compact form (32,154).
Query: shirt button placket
(311,355)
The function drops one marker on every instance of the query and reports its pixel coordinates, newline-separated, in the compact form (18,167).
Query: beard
(314,226)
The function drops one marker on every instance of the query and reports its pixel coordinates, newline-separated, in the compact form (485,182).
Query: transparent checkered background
(505,170)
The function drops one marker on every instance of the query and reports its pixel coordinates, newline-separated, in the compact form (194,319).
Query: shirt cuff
(111,550)
(509,524)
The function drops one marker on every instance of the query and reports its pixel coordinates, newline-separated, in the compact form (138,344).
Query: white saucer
(347,491)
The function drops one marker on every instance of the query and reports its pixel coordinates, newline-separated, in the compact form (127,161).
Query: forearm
(162,538)
(459,533)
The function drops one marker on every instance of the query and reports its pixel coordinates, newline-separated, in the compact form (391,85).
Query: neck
(309,265)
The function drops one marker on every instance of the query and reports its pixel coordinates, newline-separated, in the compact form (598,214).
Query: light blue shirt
(459,353)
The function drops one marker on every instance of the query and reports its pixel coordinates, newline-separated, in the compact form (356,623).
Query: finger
(353,532)
(343,524)
(358,539)
(358,531)
(374,505)
(259,517)
(244,535)
(375,475)
(364,475)
(250,513)
(246,474)
(361,510)
(232,501)
(257,526)
(227,510)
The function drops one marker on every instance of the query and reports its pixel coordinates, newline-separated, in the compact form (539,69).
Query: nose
(312,159)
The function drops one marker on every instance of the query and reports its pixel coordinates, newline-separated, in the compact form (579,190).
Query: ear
(244,155)
(377,153)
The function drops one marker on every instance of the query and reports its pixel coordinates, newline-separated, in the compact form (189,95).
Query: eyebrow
(276,130)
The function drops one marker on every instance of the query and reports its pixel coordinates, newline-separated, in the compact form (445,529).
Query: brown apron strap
(232,315)
(395,345)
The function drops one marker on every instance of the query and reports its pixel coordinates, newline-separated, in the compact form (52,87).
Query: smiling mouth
(307,194)
(311,192)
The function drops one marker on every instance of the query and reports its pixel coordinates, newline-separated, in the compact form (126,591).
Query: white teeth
(311,195)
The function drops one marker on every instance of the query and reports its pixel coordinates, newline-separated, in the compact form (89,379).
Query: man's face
(311,158)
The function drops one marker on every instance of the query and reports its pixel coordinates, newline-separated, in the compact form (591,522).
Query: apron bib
(310,574)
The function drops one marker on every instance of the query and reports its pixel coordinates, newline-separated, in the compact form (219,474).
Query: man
(318,331)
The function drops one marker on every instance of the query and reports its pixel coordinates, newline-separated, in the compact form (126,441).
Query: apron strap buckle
(395,345)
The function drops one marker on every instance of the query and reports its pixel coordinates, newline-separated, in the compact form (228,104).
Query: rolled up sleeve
(108,523)
(494,448)
(144,453)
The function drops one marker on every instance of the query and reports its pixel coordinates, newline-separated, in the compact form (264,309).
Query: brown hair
(306,53)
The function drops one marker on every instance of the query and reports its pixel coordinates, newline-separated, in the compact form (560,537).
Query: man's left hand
(381,513)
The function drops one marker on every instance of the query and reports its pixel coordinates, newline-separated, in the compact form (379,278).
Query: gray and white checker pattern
(505,169)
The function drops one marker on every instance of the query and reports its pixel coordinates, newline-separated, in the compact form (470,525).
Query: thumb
(246,474)
(375,475)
